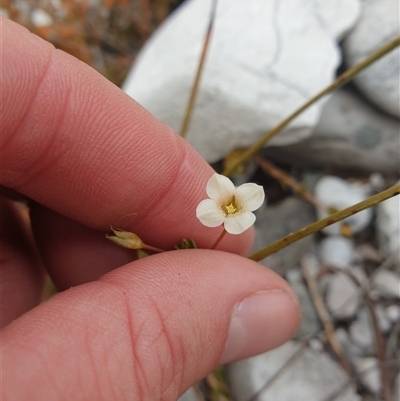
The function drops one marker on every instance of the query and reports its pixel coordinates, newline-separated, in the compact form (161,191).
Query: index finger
(77,144)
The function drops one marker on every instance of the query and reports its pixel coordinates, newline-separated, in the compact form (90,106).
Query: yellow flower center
(230,209)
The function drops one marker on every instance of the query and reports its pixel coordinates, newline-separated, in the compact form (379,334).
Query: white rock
(334,19)
(41,18)
(361,333)
(350,135)
(266,58)
(377,25)
(393,313)
(387,283)
(337,193)
(336,250)
(312,376)
(343,296)
(369,374)
(388,227)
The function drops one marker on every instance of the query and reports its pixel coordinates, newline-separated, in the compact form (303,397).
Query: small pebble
(316,345)
(393,313)
(343,296)
(294,275)
(336,250)
(41,18)
(369,374)
(336,193)
(387,283)
(361,333)
(377,181)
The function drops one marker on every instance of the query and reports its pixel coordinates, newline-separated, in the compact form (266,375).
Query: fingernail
(259,323)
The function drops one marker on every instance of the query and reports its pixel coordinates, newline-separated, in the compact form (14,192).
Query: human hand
(88,156)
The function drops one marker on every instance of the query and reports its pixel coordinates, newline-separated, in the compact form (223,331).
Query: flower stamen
(230,209)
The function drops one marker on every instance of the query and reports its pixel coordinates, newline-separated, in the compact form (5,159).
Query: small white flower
(228,205)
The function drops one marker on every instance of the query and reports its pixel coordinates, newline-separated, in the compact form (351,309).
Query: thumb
(147,330)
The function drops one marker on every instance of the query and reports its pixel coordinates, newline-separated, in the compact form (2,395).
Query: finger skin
(146,331)
(21,274)
(75,143)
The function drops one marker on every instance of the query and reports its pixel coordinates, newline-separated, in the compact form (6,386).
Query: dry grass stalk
(325,317)
(195,89)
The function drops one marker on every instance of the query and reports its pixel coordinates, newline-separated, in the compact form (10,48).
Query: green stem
(327,221)
(195,89)
(219,239)
(339,82)
(152,248)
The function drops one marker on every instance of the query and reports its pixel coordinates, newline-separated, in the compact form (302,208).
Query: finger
(149,330)
(73,253)
(75,143)
(21,276)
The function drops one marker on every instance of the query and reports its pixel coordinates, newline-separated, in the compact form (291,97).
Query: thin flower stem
(339,82)
(195,89)
(152,248)
(327,221)
(219,239)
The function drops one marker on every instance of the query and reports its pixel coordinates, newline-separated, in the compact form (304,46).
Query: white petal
(209,213)
(249,197)
(220,189)
(237,223)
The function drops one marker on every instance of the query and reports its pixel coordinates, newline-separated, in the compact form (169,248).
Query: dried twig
(380,347)
(325,318)
(339,82)
(195,88)
(289,181)
(380,351)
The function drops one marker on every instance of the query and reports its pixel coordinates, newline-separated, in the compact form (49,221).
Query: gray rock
(312,376)
(343,296)
(277,221)
(350,135)
(361,332)
(310,323)
(257,71)
(377,25)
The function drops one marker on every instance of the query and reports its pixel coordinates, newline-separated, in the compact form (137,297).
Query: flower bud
(125,239)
